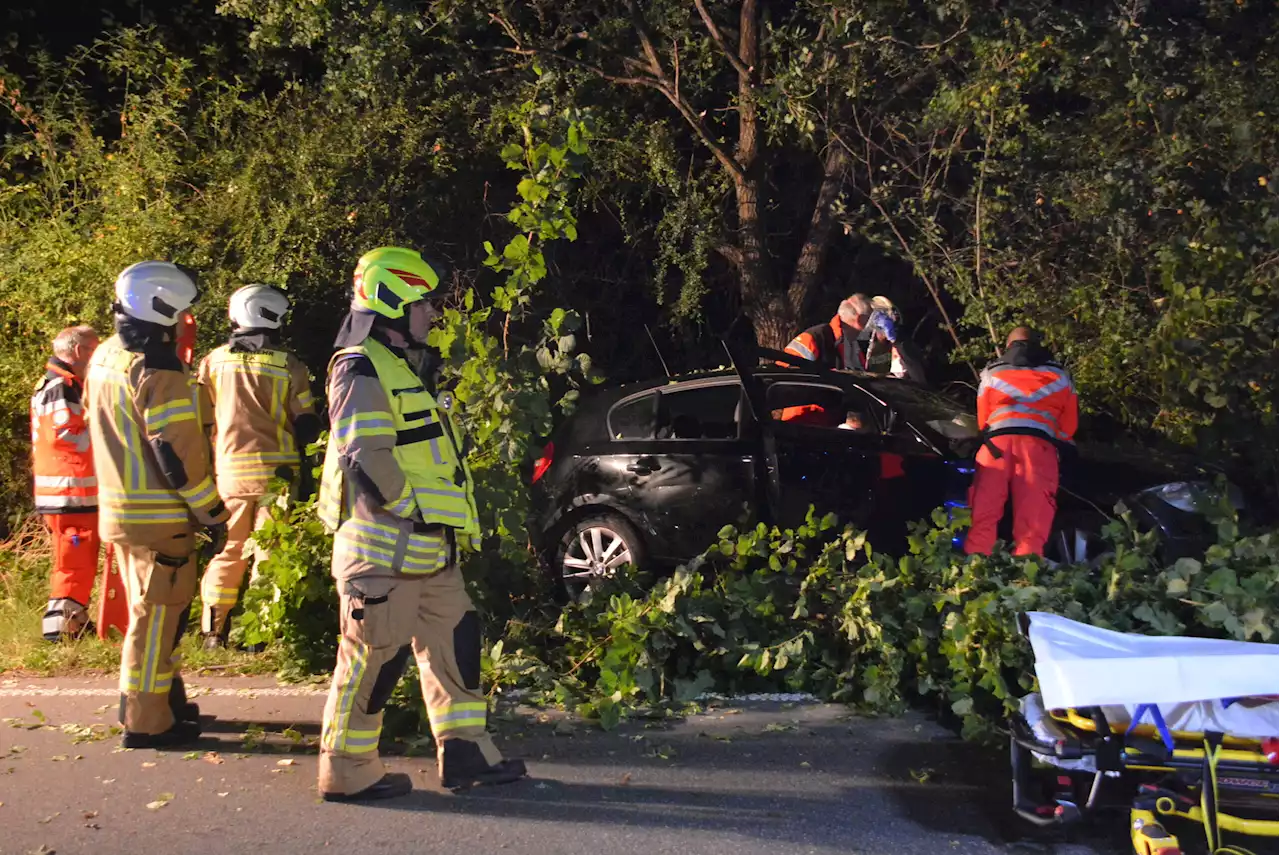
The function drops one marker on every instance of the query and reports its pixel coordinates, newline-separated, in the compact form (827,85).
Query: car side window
(825,407)
(635,418)
(706,412)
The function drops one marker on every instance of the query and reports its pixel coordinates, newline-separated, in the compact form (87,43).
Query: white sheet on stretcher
(1252,720)
(1082,666)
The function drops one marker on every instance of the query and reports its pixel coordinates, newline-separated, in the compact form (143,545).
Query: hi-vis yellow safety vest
(427,450)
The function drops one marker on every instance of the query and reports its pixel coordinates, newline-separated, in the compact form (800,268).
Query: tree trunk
(759,300)
(809,265)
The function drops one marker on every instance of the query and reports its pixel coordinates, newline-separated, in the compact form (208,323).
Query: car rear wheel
(595,548)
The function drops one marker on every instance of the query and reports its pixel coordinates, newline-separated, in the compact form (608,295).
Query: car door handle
(643,467)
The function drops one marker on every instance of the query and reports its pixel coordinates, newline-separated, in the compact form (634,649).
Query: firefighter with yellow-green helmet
(397,494)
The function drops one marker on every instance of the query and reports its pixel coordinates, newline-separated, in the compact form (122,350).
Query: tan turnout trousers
(160,584)
(384,620)
(220,587)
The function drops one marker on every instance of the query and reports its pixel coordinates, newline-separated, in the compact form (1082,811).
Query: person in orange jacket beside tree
(66,490)
(1027,411)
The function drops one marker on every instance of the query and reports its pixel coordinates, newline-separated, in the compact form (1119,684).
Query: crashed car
(648,473)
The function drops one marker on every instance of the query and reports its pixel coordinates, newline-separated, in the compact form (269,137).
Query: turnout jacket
(149,449)
(396,489)
(262,410)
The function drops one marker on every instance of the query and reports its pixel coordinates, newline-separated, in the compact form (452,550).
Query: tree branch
(718,38)
(646,43)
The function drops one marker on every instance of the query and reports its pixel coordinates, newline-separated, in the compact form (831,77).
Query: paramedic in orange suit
(1027,410)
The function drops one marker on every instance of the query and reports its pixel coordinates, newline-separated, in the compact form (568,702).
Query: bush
(817,610)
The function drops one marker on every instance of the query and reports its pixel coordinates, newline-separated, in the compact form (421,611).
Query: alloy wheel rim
(596,551)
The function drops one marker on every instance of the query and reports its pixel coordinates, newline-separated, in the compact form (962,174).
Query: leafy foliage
(817,610)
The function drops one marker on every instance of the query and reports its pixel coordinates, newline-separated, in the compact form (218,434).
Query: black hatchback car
(650,472)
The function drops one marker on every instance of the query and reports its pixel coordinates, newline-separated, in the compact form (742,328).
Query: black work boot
(183,710)
(390,786)
(462,766)
(182,733)
(217,640)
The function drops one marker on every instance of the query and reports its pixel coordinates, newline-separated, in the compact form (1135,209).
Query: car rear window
(703,412)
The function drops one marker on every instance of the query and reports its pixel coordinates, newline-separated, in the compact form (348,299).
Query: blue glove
(881,322)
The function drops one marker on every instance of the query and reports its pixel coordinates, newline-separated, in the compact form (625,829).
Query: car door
(828,442)
(695,473)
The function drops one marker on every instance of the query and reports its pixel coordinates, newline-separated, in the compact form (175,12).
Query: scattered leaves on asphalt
(43,850)
(806,764)
(213,757)
(90,733)
(626,779)
(161,800)
(58,758)
(108,780)
(148,764)
(253,736)
(191,755)
(922,776)
(223,795)
(287,762)
(662,752)
(781,727)
(49,819)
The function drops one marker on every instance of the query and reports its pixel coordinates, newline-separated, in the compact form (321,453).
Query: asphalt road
(737,779)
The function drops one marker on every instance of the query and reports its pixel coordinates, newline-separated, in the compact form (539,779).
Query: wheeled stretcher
(1179,729)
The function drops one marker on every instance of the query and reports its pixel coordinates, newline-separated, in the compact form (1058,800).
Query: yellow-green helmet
(389,278)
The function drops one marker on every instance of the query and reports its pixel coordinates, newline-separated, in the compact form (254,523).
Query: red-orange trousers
(75,555)
(1029,467)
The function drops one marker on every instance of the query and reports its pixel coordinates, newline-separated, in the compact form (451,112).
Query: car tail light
(543,463)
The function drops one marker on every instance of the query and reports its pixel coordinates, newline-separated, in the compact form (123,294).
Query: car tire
(595,547)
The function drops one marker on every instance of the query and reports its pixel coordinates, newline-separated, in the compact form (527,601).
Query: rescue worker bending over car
(1027,410)
(156,492)
(66,491)
(397,493)
(263,413)
(836,344)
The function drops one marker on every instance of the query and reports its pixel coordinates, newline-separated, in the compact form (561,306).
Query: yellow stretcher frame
(1148,834)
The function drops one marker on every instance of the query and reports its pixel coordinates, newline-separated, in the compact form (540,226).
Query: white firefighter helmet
(155,291)
(259,307)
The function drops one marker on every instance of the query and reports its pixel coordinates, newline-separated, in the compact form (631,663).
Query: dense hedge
(814,609)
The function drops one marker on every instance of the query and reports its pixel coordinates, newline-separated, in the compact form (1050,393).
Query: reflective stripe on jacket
(828,346)
(150,453)
(393,476)
(256,399)
(1021,396)
(61,459)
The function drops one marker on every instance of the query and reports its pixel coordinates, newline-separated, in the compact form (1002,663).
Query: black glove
(217,540)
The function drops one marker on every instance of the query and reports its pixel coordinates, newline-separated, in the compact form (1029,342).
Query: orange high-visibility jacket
(825,344)
(62,460)
(1026,392)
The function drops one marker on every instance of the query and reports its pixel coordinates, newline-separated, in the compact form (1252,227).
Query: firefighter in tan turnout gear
(155,492)
(264,413)
(398,495)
